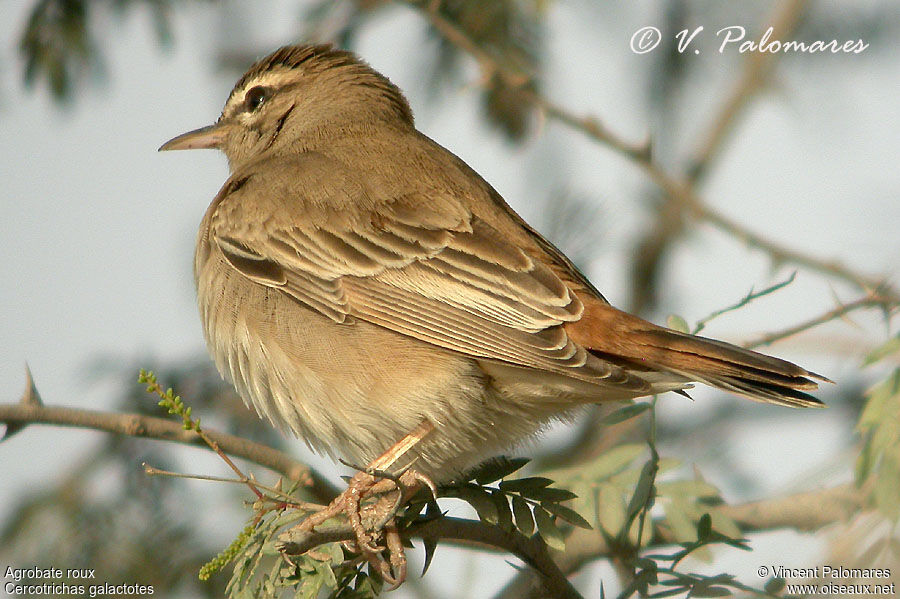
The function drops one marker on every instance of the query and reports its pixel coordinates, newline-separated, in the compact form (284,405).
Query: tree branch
(806,512)
(869,301)
(549,580)
(472,533)
(753,77)
(16,416)
(682,199)
(515,79)
(532,551)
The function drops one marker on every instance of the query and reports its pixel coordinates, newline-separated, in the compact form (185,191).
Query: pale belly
(352,390)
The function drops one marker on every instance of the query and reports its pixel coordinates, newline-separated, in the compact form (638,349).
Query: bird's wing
(420,264)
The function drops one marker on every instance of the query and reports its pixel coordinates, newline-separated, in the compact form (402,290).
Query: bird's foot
(370,504)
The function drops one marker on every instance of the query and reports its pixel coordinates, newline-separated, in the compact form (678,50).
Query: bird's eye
(255,97)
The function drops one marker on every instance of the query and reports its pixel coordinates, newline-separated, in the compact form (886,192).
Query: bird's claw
(366,483)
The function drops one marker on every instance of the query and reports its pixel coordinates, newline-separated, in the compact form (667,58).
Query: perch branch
(24,413)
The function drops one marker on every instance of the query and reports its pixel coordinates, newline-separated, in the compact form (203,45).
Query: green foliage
(677,323)
(58,45)
(522,504)
(878,464)
(228,554)
(660,570)
(618,490)
(615,489)
(529,504)
(103,512)
(173,403)
(886,349)
(261,571)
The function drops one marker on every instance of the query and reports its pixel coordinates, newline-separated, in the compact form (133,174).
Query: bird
(368,291)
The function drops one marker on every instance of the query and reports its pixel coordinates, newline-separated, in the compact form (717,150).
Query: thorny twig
(869,301)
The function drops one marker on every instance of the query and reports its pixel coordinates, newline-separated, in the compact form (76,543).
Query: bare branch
(783,254)
(804,512)
(869,301)
(490,67)
(753,77)
(533,551)
(682,199)
(751,295)
(138,425)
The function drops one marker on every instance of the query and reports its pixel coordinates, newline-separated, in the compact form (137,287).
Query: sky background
(98,228)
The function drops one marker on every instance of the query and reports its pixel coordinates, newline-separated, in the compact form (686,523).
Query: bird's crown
(299,68)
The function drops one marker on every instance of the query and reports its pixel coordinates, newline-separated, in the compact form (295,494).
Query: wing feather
(422,266)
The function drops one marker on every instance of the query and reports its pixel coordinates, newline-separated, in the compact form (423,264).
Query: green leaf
(677,323)
(879,404)
(480,500)
(610,509)
(726,526)
(643,563)
(643,579)
(244,593)
(497,468)
(625,413)
(774,586)
(643,491)
(524,519)
(864,463)
(615,461)
(679,521)
(701,590)
(567,514)
(288,517)
(549,494)
(704,527)
(879,459)
(606,465)
(364,587)
(324,571)
(504,515)
(667,465)
(688,489)
(520,485)
(669,593)
(548,530)
(334,552)
(884,350)
(887,487)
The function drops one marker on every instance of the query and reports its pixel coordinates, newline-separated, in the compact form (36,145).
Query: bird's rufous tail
(639,345)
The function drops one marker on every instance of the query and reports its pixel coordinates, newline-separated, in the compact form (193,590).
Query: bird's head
(295,98)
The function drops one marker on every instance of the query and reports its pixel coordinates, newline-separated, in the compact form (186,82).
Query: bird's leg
(374,480)
(399,449)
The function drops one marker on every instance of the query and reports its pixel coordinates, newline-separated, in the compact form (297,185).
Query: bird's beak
(199,139)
